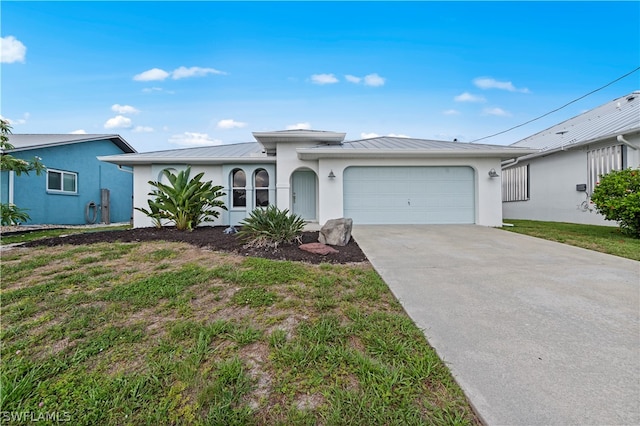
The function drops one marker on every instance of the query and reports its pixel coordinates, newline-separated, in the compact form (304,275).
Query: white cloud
(352,79)
(364,135)
(124,109)
(79,132)
(496,111)
(158,74)
(12,50)
(468,97)
(15,121)
(490,83)
(299,126)
(451,112)
(118,122)
(193,139)
(323,79)
(373,80)
(143,129)
(230,123)
(154,74)
(184,72)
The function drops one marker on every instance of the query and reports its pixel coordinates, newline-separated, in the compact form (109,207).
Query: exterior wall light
(493,173)
(331,175)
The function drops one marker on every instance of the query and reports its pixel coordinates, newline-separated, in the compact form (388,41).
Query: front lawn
(168,333)
(605,239)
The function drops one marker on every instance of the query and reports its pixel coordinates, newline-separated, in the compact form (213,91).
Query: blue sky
(168,75)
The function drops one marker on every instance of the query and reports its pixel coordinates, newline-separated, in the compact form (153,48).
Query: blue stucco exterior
(47,207)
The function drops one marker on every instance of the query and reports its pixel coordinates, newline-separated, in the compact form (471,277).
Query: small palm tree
(185,202)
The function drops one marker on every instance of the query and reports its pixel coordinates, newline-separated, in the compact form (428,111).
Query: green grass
(47,233)
(102,336)
(605,239)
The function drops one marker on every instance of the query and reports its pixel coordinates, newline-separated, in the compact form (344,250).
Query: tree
(617,197)
(12,214)
(185,202)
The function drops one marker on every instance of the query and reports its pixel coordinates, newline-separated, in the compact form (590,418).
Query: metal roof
(387,146)
(619,116)
(24,142)
(249,152)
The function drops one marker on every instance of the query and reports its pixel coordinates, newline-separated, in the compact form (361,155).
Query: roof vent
(631,97)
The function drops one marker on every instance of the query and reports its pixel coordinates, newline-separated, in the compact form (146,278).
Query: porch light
(331,175)
(493,173)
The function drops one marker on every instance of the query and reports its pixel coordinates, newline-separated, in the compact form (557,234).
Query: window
(602,161)
(261,184)
(59,181)
(515,183)
(239,183)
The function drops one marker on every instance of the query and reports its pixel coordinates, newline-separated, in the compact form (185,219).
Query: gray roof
(24,142)
(387,146)
(619,116)
(249,152)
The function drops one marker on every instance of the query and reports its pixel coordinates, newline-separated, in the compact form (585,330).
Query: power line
(559,108)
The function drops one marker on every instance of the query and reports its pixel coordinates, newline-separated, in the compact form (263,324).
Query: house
(555,183)
(319,176)
(76,188)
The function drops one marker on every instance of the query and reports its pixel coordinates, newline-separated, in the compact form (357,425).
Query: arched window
(261,185)
(238,183)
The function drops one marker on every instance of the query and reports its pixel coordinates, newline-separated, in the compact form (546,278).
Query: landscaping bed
(212,238)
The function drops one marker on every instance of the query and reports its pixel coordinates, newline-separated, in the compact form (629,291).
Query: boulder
(318,248)
(336,232)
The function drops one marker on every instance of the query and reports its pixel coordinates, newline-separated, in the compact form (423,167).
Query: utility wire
(559,108)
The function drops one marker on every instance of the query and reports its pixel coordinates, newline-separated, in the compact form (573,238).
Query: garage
(409,195)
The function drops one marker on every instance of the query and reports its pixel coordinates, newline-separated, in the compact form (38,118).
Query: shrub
(270,227)
(12,214)
(185,202)
(617,197)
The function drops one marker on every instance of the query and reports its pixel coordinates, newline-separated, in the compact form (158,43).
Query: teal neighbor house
(76,187)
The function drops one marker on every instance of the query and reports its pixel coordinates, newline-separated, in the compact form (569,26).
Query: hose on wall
(88,215)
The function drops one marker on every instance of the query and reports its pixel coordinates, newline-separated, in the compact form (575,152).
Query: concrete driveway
(535,332)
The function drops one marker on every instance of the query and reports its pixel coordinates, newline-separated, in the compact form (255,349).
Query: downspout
(11,178)
(124,170)
(509,163)
(622,140)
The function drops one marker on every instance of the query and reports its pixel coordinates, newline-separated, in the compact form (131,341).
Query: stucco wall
(30,191)
(553,180)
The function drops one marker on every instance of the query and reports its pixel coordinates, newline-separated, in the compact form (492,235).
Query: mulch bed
(212,238)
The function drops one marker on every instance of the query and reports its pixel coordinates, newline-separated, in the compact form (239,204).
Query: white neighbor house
(319,176)
(555,183)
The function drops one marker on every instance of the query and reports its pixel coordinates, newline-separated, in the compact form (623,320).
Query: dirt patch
(212,238)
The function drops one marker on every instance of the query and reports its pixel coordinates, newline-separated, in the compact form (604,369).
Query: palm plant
(185,202)
(270,227)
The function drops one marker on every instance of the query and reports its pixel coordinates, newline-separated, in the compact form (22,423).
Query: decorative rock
(336,232)
(318,248)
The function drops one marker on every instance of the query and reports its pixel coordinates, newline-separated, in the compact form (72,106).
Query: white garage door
(409,195)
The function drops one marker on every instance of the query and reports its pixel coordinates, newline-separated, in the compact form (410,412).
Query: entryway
(303,194)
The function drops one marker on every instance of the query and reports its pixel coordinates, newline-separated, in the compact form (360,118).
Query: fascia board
(315,154)
(184,160)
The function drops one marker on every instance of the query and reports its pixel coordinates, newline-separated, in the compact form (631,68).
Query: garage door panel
(409,195)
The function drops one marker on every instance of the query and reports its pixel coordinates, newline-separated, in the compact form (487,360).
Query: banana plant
(186,202)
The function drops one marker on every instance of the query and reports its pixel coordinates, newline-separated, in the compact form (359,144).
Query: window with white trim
(60,181)
(601,161)
(239,184)
(261,185)
(515,183)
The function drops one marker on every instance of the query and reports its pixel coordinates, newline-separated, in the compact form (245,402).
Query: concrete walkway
(535,332)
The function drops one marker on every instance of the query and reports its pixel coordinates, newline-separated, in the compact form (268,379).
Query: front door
(303,194)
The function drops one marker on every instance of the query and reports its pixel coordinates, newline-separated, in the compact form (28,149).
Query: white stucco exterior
(323,153)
